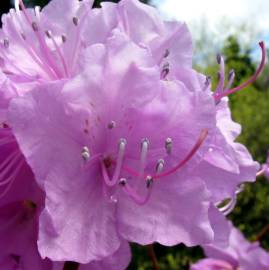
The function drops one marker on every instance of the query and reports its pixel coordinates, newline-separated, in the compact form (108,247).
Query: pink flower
(264,170)
(211,264)
(96,148)
(124,138)
(240,253)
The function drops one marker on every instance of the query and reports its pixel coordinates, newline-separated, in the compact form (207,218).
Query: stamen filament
(44,47)
(136,197)
(198,144)
(220,85)
(218,96)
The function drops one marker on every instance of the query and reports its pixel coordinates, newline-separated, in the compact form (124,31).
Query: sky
(221,18)
(215,10)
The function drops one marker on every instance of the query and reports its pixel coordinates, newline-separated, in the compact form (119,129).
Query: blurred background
(234,29)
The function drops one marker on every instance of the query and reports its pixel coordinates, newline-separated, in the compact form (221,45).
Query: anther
(23,36)
(122,142)
(160,165)
(123,182)
(6,43)
(165,70)
(166,54)
(75,21)
(63,38)
(149,181)
(111,125)
(144,143)
(48,33)
(231,74)
(168,145)
(85,153)
(218,57)
(34,26)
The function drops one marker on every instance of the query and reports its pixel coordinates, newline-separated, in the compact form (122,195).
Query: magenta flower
(240,253)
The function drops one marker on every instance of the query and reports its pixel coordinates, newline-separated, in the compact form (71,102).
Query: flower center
(122,173)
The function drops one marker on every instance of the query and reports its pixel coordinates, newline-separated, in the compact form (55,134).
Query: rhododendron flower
(240,254)
(265,168)
(211,264)
(103,168)
(126,140)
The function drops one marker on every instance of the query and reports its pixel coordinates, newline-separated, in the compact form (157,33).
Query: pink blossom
(240,253)
(126,140)
(211,264)
(264,170)
(100,162)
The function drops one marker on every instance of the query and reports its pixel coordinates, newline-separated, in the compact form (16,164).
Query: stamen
(115,177)
(133,194)
(58,50)
(37,12)
(219,96)
(196,147)
(221,74)
(6,43)
(149,181)
(143,157)
(75,21)
(168,145)
(111,125)
(123,181)
(41,41)
(231,77)
(165,71)
(85,153)
(166,54)
(207,83)
(160,165)
(227,209)
(63,38)
(35,27)
(11,179)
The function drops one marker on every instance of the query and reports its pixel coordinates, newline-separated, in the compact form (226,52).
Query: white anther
(123,181)
(122,143)
(149,181)
(160,165)
(37,12)
(85,153)
(111,125)
(144,144)
(168,145)
(75,21)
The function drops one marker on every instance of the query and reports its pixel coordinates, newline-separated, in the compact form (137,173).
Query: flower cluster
(109,136)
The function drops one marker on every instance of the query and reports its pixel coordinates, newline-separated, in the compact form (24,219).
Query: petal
(73,192)
(171,216)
